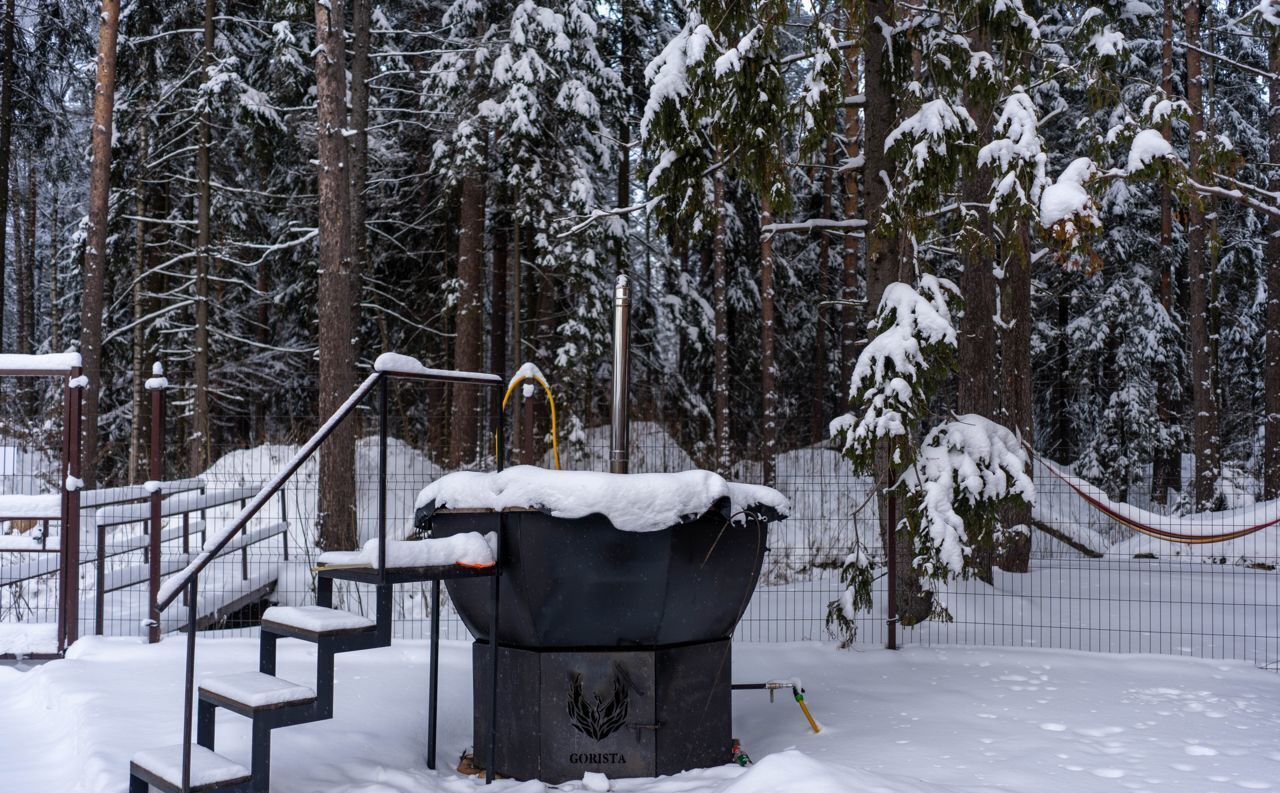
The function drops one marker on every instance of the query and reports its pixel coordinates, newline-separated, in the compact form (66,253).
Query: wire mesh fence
(1092,582)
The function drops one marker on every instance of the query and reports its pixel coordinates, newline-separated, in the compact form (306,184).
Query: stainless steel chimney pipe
(618,454)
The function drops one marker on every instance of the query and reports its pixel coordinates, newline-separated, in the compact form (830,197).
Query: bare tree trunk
(200,440)
(468,347)
(1204,403)
(720,344)
(1166,468)
(912,603)
(850,331)
(95,259)
(768,380)
(6,136)
(337,529)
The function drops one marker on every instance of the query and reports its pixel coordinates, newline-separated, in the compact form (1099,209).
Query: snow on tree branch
(896,371)
(965,467)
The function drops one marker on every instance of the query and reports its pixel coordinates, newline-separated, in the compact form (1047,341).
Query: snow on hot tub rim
(630,502)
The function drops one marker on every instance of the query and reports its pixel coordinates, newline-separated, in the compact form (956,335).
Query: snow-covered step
(248,692)
(162,768)
(313,622)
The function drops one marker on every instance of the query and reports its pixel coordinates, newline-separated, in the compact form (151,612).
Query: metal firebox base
(623,712)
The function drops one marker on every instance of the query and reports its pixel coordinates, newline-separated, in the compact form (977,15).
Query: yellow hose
(807,714)
(555,445)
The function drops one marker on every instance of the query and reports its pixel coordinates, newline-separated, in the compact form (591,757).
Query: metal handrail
(385,366)
(174,586)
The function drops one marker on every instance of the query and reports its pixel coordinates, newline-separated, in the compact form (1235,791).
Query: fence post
(891,551)
(155,469)
(71,489)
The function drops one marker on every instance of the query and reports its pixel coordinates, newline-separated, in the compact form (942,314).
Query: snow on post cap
(395,363)
(527,371)
(157,380)
(631,502)
(53,362)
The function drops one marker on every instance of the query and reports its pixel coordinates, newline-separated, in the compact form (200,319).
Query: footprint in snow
(1100,732)
(1196,750)
(1108,773)
(1053,727)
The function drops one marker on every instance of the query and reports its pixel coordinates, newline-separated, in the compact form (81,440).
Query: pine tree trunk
(850,331)
(1271,371)
(361,13)
(627,71)
(55,311)
(977,389)
(136,347)
(819,410)
(1166,468)
(768,382)
(337,529)
(468,347)
(1204,407)
(498,295)
(95,259)
(26,284)
(912,602)
(264,338)
(199,442)
(720,344)
(19,241)
(6,137)
(1013,551)
(516,298)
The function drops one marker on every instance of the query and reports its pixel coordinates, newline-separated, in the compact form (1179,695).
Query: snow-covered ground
(916,721)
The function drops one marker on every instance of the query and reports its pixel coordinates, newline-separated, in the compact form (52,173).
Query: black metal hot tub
(580,583)
(614,646)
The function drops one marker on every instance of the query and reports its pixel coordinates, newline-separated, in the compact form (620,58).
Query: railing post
(382,476)
(891,551)
(71,526)
(100,596)
(65,519)
(156,385)
(192,610)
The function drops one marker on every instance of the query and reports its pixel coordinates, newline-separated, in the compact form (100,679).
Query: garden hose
(528,372)
(799,695)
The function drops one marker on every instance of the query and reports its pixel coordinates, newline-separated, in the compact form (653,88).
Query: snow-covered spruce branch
(850,226)
(598,214)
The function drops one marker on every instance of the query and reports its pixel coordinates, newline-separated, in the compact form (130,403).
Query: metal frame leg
(137,785)
(434,684)
(324,591)
(205,724)
(267,652)
(491,763)
(261,756)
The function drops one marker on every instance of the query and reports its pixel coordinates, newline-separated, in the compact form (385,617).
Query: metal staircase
(272,702)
